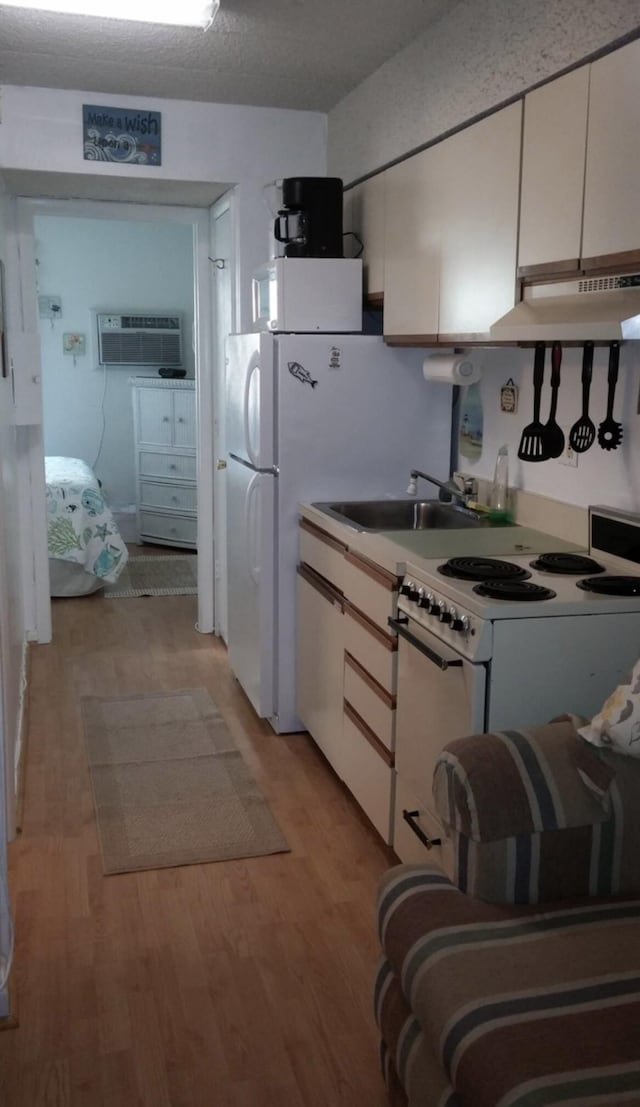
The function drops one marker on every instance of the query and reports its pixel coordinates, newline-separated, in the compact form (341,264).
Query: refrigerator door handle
(251,532)
(270,470)
(253,456)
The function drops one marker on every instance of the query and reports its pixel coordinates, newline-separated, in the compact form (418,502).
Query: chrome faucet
(448,489)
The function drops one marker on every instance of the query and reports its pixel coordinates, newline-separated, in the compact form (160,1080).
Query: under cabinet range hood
(595,309)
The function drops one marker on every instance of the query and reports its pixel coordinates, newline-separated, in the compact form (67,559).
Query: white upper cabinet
(553,163)
(612,191)
(364,214)
(412,247)
(478,212)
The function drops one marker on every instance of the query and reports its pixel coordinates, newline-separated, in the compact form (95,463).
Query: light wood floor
(239,984)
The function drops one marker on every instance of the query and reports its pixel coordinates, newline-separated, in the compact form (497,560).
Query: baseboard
(23,733)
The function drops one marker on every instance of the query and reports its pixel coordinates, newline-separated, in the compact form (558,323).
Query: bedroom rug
(174,575)
(169,786)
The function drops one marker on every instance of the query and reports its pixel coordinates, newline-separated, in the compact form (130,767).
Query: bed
(86,549)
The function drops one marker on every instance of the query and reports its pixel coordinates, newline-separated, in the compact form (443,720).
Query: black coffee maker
(309,223)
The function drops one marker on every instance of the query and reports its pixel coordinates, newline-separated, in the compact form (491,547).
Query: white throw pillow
(617,724)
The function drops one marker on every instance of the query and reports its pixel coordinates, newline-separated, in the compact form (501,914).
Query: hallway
(239,984)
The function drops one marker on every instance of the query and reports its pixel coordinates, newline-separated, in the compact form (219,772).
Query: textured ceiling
(304,54)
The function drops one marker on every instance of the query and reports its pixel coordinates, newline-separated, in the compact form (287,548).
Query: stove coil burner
(566,563)
(482,568)
(514,590)
(611,585)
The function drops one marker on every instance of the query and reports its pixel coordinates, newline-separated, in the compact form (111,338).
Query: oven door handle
(401,630)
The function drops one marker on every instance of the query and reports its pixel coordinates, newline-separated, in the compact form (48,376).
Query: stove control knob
(427,600)
(434,606)
(457,621)
(407,588)
(463,624)
(445,616)
(423,599)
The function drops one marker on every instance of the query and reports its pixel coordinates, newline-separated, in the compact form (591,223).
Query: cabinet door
(479,215)
(412,247)
(553,160)
(612,197)
(319,666)
(365,214)
(154,417)
(184,418)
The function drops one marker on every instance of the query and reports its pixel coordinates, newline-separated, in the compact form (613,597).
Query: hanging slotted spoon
(610,431)
(532,443)
(583,432)
(553,433)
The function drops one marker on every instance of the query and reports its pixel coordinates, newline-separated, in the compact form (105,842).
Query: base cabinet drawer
(368,777)
(370,589)
(169,528)
(412,820)
(322,552)
(173,497)
(374,649)
(371,702)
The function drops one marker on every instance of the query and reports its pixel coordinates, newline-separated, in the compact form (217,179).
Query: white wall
(602,477)
(247,147)
(471,60)
(11,617)
(93,264)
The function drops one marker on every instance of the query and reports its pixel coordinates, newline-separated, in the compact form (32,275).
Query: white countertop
(392,550)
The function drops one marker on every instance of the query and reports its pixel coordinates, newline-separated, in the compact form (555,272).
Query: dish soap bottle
(498,496)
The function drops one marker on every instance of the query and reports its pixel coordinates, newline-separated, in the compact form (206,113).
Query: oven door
(441,696)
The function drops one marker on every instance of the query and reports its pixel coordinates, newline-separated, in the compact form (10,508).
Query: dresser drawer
(170,527)
(367,775)
(375,705)
(173,497)
(169,466)
(407,843)
(375,649)
(372,590)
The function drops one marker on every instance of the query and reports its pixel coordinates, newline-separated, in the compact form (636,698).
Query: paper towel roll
(451,369)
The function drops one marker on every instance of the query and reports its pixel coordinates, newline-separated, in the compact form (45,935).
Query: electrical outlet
(569,457)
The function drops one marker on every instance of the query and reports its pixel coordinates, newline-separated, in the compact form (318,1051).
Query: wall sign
(125,135)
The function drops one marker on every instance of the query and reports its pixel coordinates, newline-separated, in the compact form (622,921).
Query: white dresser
(164,421)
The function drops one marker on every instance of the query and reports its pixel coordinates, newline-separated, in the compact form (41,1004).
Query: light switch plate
(49,307)
(569,457)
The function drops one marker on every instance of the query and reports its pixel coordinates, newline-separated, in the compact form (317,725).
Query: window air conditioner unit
(149,339)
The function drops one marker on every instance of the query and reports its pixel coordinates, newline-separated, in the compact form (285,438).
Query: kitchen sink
(411,514)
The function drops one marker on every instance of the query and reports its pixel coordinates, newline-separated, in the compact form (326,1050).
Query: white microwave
(307,295)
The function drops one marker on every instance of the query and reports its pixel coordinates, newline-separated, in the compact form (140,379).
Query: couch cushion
(522,1006)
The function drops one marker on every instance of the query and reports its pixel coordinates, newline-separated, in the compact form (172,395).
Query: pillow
(617,724)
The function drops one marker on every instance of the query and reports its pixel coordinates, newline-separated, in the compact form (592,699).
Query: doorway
(198,338)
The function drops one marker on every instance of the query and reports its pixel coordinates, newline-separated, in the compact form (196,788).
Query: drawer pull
(165,418)
(410,818)
(173,467)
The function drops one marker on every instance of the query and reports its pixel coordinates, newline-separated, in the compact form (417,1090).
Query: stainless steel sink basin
(403,515)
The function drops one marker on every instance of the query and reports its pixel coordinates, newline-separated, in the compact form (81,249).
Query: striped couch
(495,1000)
(490,1005)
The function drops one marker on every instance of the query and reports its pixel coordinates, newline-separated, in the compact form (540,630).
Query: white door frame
(224,311)
(198,218)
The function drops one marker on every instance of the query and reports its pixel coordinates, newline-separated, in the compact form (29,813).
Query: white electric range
(471,659)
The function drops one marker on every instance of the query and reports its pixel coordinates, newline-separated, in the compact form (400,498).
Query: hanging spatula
(583,432)
(610,432)
(553,433)
(532,442)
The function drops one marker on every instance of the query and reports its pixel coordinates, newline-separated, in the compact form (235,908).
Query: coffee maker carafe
(309,222)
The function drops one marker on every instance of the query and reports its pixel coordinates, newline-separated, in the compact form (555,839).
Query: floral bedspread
(80,526)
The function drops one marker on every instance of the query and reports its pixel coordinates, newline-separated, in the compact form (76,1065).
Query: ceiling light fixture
(180,13)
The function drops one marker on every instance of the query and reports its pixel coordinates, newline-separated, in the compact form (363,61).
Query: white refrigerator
(310,417)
